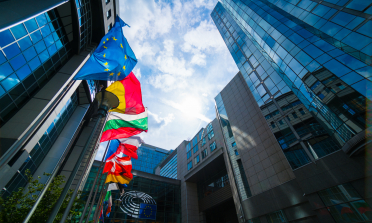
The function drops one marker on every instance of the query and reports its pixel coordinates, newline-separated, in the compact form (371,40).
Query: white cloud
(101,150)
(199,59)
(137,73)
(188,107)
(205,37)
(156,122)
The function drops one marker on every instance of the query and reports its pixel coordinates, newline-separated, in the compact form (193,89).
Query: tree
(15,208)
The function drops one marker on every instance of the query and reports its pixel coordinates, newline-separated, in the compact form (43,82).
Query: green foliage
(15,208)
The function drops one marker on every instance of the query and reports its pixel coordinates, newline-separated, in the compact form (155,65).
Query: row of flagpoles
(114,60)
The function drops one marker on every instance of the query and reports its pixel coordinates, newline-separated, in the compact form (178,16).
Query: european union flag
(147,211)
(112,60)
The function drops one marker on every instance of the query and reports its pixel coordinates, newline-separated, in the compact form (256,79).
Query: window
(188,147)
(275,217)
(195,141)
(272,124)
(195,149)
(351,111)
(331,89)
(288,118)
(210,135)
(204,153)
(209,127)
(109,27)
(189,165)
(294,115)
(233,144)
(107,1)
(339,85)
(236,152)
(321,96)
(315,85)
(345,204)
(203,142)
(212,146)
(326,81)
(301,111)
(188,154)
(281,122)
(196,159)
(108,14)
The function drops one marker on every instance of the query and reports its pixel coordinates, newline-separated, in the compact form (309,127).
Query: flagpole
(94,184)
(106,101)
(100,203)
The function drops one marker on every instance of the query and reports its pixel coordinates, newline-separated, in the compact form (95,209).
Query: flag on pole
(126,146)
(120,125)
(108,198)
(129,94)
(112,60)
(119,170)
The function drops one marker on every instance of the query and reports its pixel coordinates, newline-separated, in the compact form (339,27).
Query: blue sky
(183,64)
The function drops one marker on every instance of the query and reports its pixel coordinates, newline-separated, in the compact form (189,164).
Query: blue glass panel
(363,87)
(321,44)
(5,38)
(31,25)
(330,28)
(2,91)
(369,10)
(11,51)
(330,13)
(351,78)
(49,40)
(311,67)
(19,31)
(45,31)
(342,34)
(40,47)
(350,61)
(359,5)
(41,20)
(36,36)
(5,70)
(355,23)
(23,72)
(365,71)
(321,10)
(30,53)
(25,43)
(368,50)
(313,51)
(44,56)
(2,58)
(10,82)
(343,18)
(296,66)
(18,62)
(336,68)
(323,58)
(303,58)
(290,74)
(356,40)
(366,29)
(35,63)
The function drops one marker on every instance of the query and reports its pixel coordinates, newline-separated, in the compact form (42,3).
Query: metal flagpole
(106,101)
(94,184)
(94,197)
(100,204)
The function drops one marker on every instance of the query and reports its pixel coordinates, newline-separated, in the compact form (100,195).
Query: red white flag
(129,146)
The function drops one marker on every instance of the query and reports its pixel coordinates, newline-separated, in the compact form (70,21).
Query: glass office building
(308,66)
(148,158)
(170,168)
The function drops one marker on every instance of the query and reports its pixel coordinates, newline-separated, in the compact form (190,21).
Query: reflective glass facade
(30,54)
(42,147)
(310,81)
(148,158)
(170,169)
(239,174)
(85,22)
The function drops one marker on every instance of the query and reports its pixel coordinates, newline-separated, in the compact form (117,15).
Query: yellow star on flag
(121,45)
(106,69)
(107,39)
(119,73)
(106,64)
(125,56)
(104,55)
(124,67)
(114,38)
(104,42)
(111,74)
(104,47)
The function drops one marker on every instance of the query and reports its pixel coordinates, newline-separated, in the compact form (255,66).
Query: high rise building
(45,115)
(148,158)
(297,109)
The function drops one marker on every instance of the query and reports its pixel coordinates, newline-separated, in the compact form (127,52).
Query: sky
(183,63)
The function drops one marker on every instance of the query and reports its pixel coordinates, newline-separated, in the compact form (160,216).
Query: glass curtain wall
(30,54)
(170,169)
(277,54)
(148,159)
(42,147)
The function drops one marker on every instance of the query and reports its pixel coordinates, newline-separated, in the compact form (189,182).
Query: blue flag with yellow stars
(147,211)
(112,60)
